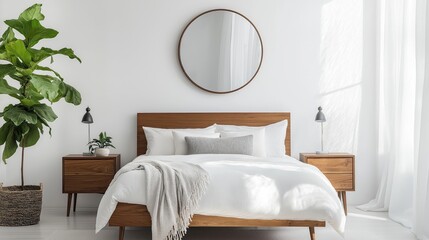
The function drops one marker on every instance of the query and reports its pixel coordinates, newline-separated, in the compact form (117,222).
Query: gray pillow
(233,145)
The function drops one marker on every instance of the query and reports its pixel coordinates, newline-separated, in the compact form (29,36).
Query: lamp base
(322,152)
(87,154)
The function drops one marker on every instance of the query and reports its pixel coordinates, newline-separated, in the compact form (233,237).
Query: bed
(137,215)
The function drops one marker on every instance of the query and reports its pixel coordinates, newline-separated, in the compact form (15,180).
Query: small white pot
(102,152)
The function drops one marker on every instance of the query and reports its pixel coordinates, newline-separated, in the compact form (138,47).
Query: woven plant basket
(20,208)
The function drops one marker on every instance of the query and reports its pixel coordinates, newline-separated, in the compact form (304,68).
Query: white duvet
(244,187)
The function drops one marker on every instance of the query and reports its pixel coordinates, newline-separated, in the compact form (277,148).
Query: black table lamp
(320,117)
(87,118)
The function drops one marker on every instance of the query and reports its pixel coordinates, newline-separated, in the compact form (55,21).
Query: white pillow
(275,135)
(160,140)
(258,139)
(180,147)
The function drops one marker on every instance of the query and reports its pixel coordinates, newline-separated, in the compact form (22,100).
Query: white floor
(55,225)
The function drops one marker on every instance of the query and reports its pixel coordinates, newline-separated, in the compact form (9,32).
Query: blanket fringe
(185,216)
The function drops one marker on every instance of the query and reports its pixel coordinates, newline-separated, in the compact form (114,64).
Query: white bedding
(244,187)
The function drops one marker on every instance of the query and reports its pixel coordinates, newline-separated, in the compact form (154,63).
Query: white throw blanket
(173,190)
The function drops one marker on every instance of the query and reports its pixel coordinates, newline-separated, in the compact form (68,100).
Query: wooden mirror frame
(211,91)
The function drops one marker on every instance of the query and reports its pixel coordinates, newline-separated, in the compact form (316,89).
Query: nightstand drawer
(332,165)
(341,182)
(86,184)
(89,167)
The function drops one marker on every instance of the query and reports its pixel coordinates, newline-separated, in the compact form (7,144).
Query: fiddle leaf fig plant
(29,83)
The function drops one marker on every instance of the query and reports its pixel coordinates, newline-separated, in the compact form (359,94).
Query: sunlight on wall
(341,66)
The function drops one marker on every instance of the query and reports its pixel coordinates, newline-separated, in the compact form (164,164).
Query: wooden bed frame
(135,215)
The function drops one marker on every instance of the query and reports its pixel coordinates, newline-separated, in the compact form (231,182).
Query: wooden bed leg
(121,232)
(312,233)
(343,196)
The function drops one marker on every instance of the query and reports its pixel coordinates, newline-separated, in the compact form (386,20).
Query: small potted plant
(100,145)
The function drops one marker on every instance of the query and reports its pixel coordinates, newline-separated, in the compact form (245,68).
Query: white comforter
(244,187)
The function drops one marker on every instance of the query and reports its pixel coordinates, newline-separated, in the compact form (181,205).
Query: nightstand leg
(74,203)
(339,195)
(69,198)
(343,195)
(312,233)
(121,233)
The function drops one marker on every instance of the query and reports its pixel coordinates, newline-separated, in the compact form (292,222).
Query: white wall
(129,53)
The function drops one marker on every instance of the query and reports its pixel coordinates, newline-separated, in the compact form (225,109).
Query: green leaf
(17,48)
(33,12)
(41,68)
(6,89)
(18,77)
(29,102)
(5,69)
(45,112)
(3,56)
(4,131)
(25,70)
(7,37)
(32,30)
(71,95)
(10,145)
(20,131)
(31,137)
(38,55)
(24,128)
(10,106)
(40,126)
(18,115)
(33,95)
(15,24)
(43,122)
(63,51)
(109,145)
(47,86)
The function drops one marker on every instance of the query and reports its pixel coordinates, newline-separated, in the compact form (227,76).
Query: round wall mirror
(220,51)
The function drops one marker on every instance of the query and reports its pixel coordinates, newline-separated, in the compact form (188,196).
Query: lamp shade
(87,118)
(320,117)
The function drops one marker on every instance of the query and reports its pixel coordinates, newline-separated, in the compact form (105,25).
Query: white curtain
(224,78)
(403,113)
(239,52)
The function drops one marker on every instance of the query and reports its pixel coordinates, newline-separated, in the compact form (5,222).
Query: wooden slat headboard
(201,120)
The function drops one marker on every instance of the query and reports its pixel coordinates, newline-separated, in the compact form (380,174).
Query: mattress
(242,186)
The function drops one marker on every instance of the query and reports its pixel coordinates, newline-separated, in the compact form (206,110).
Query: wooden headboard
(201,120)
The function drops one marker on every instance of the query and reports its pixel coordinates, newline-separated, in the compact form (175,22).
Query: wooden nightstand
(87,174)
(339,168)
